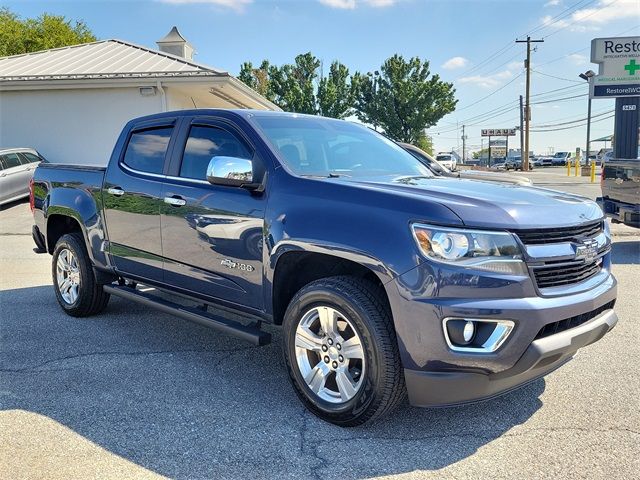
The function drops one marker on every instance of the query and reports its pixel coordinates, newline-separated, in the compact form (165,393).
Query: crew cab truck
(386,279)
(620,182)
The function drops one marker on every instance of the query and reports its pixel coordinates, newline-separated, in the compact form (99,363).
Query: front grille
(572,322)
(566,273)
(559,235)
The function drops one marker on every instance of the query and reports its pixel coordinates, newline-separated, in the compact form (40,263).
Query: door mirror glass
(232,171)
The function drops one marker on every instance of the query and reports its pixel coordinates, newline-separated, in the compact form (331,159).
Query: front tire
(341,351)
(74,281)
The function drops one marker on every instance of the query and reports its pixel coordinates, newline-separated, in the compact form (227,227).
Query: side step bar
(249,333)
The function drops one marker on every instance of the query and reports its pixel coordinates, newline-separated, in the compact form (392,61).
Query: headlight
(492,251)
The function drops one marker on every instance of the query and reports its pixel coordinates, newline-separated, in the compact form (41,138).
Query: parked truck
(620,181)
(385,279)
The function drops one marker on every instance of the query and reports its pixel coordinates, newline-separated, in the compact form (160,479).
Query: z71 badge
(245,267)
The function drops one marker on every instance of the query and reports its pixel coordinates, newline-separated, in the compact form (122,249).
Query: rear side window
(28,157)
(207,142)
(11,160)
(146,150)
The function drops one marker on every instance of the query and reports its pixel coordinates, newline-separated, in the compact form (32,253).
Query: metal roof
(103,59)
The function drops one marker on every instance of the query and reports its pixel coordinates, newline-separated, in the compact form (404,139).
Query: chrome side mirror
(231,171)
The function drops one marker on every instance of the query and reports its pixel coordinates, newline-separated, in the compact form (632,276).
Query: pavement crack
(54,361)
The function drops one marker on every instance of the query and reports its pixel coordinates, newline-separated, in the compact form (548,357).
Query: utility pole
(527,118)
(464,145)
(521,130)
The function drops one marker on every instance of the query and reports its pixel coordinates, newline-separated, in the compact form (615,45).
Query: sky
(468,42)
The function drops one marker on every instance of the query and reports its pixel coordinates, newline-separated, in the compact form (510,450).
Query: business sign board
(619,67)
(498,132)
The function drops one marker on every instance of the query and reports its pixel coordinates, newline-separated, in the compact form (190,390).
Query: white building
(71,103)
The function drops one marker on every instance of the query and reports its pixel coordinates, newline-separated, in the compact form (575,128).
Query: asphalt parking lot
(133,393)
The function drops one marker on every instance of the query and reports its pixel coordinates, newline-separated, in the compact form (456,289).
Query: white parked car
(447,160)
(16,169)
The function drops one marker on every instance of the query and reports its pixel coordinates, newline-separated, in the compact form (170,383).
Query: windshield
(316,146)
(443,158)
(560,154)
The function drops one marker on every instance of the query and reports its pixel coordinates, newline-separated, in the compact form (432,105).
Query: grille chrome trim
(560,235)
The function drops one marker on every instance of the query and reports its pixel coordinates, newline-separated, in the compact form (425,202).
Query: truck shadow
(625,252)
(187,402)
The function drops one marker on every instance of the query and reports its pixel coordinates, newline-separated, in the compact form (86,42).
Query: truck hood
(491,205)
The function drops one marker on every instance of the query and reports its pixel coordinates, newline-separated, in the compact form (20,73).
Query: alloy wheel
(329,354)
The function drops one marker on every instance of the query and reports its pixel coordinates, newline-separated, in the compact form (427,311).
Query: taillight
(31,196)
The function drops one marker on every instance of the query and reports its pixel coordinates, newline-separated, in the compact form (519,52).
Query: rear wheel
(77,291)
(341,351)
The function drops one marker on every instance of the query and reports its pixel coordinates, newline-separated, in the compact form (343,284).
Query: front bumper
(430,389)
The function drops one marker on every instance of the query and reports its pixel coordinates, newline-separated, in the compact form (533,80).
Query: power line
(557,78)
(573,121)
(492,93)
(572,127)
(606,5)
(560,99)
(585,48)
(563,14)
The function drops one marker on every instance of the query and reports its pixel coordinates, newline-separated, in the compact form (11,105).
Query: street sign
(619,67)
(498,132)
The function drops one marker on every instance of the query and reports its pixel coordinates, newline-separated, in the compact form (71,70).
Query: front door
(212,235)
(132,201)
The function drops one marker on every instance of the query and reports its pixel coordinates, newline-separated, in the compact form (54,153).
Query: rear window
(146,150)
(28,157)
(445,158)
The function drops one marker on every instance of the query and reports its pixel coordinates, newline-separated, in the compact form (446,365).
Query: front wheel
(341,351)
(77,290)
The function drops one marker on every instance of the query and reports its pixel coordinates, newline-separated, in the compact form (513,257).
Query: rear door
(212,243)
(14,176)
(132,199)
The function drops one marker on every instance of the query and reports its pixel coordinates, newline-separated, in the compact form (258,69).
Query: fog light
(468,331)
(461,332)
(476,335)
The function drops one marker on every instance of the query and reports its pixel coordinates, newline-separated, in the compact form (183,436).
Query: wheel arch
(295,266)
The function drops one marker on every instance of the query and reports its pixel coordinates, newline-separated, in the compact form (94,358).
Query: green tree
(403,98)
(296,87)
(336,92)
(257,78)
(32,34)
(425,143)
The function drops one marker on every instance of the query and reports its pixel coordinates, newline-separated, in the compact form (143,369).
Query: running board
(249,333)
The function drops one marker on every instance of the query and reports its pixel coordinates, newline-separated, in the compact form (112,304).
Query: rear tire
(374,385)
(74,281)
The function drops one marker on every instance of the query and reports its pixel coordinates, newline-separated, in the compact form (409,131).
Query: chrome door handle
(118,192)
(176,202)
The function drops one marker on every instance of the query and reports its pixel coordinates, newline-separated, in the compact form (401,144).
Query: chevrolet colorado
(386,279)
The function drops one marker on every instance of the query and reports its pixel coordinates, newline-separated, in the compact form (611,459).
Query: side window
(204,143)
(11,160)
(146,150)
(2,162)
(28,157)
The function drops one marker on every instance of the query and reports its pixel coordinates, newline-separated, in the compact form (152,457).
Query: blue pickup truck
(386,279)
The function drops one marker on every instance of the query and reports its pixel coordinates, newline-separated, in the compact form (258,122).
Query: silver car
(16,169)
